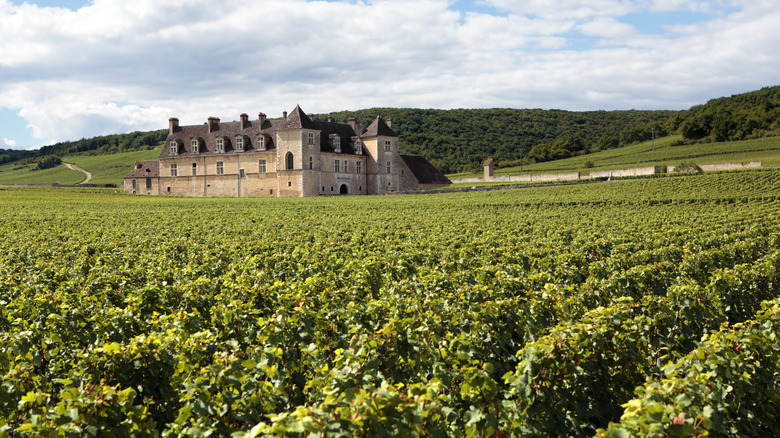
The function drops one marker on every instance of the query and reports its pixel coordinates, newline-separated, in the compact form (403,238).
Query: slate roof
(145,169)
(208,140)
(379,127)
(297,119)
(424,171)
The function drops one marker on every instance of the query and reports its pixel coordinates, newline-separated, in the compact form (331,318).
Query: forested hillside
(103,145)
(739,117)
(461,139)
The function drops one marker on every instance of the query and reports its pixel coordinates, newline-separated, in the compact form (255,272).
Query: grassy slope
(641,155)
(16,173)
(106,169)
(110,169)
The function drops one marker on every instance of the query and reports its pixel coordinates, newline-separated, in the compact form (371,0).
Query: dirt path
(88,174)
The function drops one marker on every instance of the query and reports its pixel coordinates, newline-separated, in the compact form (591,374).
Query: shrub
(688,167)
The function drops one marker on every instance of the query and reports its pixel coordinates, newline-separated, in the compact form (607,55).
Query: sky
(72,69)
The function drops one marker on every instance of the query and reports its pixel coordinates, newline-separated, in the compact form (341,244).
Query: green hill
(664,152)
(105,169)
(460,140)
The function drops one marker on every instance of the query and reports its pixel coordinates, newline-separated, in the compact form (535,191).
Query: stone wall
(637,171)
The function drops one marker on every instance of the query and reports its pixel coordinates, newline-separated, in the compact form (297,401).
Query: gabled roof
(298,120)
(342,130)
(229,130)
(424,170)
(145,169)
(379,127)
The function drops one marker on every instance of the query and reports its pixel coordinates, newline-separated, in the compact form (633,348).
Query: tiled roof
(342,130)
(145,169)
(424,170)
(208,140)
(298,120)
(379,127)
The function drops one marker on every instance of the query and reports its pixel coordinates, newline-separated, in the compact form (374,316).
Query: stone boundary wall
(556,176)
(524,178)
(638,171)
(726,166)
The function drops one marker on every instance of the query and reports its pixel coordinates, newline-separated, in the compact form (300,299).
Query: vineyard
(632,308)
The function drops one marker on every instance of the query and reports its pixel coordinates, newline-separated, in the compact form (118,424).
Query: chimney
(261,120)
(213,124)
(310,115)
(352,123)
(389,123)
(330,119)
(284,114)
(138,163)
(173,123)
(244,121)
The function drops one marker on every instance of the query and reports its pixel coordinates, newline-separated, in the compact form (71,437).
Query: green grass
(17,173)
(111,169)
(642,155)
(105,169)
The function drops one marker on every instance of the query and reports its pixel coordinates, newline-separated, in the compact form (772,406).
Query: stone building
(290,157)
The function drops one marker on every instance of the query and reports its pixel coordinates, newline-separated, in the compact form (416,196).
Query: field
(663,154)
(106,169)
(645,308)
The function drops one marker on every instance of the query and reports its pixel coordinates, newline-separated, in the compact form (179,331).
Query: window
(358,147)
(311,138)
(358,167)
(387,146)
(388,167)
(220,144)
(195,146)
(194,169)
(261,166)
(241,173)
(337,144)
(134,183)
(240,142)
(261,142)
(346,168)
(311,163)
(174,169)
(336,166)
(220,167)
(174,148)
(290,161)
(148,183)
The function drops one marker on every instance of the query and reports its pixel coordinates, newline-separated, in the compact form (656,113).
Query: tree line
(460,140)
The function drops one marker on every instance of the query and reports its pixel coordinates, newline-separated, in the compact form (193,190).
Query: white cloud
(117,66)
(8,143)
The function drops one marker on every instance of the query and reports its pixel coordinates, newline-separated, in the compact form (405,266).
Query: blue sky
(73,69)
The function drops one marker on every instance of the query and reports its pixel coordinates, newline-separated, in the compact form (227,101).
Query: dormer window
(220,145)
(337,144)
(261,142)
(174,148)
(194,146)
(239,142)
(358,147)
